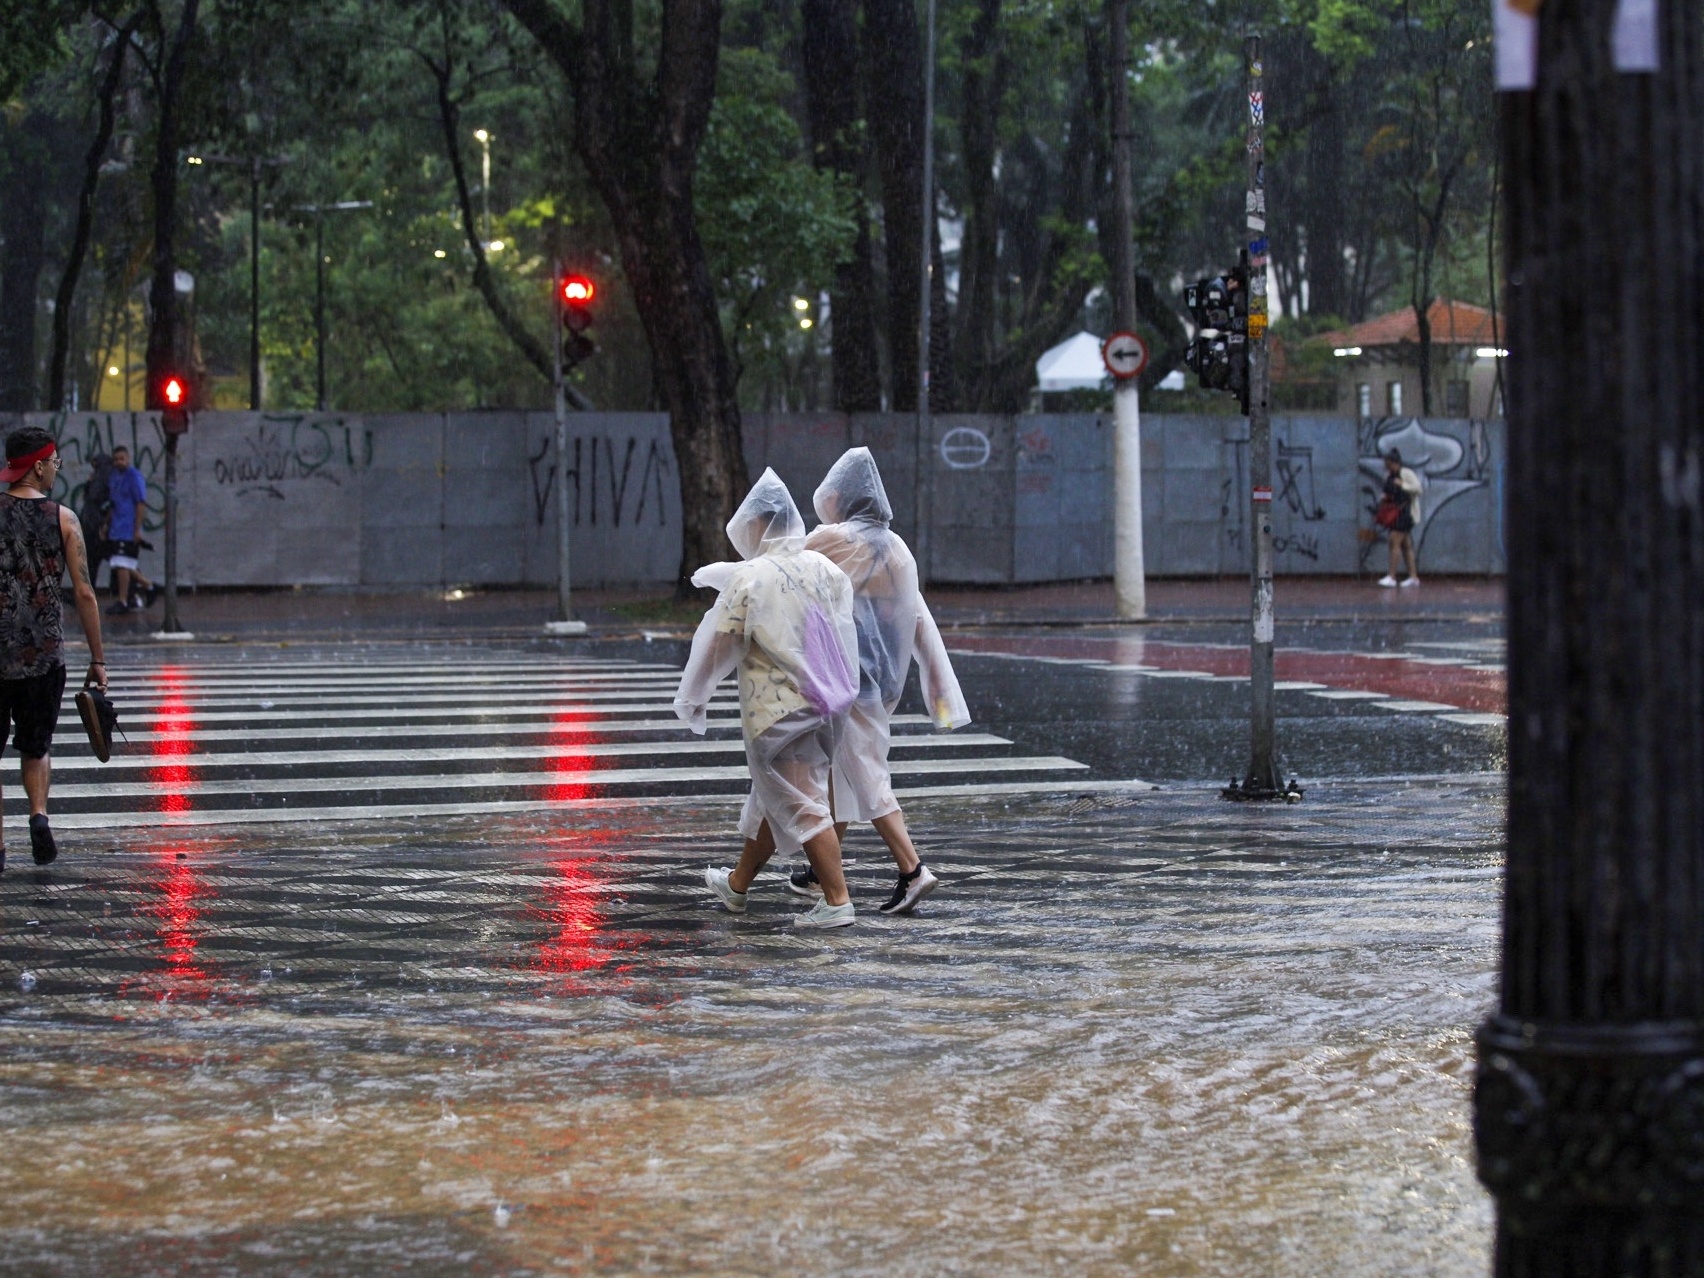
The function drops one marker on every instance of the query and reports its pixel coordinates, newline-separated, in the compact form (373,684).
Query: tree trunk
(639,140)
(21,224)
(163,336)
(893,95)
(1590,1095)
(982,93)
(66,297)
(830,40)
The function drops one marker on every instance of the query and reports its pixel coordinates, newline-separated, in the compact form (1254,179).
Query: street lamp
(484,139)
(253,164)
(319,211)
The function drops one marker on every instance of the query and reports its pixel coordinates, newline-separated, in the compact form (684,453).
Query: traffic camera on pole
(576,295)
(172,398)
(1219,354)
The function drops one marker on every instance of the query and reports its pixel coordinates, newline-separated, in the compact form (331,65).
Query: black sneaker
(804,881)
(119,609)
(100,720)
(42,847)
(910,889)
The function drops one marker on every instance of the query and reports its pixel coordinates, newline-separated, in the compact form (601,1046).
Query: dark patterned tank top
(32,560)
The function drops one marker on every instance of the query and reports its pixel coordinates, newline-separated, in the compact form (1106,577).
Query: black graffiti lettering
(1303,544)
(281,449)
(656,463)
(618,496)
(541,492)
(1294,466)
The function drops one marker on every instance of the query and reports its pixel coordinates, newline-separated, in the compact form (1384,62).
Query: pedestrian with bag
(1397,513)
(783,619)
(894,627)
(40,541)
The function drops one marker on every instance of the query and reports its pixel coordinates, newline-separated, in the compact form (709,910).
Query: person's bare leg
(823,850)
(1408,552)
(37,773)
(1394,544)
(123,585)
(753,857)
(898,839)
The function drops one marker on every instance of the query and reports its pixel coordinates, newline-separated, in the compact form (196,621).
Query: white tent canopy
(1074,364)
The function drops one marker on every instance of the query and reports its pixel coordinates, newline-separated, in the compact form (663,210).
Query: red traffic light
(577,290)
(173,392)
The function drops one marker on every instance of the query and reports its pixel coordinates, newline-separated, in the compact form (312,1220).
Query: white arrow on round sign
(1125,355)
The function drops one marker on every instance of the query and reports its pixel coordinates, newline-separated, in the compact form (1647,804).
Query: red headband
(16,470)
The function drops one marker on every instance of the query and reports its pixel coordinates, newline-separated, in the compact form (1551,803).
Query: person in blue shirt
(127,492)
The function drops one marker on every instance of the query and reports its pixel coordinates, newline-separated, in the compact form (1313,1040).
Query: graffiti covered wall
(439,499)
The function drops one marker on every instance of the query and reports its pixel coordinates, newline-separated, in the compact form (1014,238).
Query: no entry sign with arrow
(1125,355)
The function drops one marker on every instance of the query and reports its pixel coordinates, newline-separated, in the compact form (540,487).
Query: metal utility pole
(1130,585)
(925,432)
(170,625)
(319,211)
(564,624)
(1261,781)
(1589,1102)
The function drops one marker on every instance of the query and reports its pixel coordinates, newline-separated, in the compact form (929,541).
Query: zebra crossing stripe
(444,781)
(467,754)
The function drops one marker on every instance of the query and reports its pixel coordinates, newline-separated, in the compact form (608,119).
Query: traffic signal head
(171,395)
(576,294)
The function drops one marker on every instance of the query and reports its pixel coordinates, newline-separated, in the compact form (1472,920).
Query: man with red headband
(39,541)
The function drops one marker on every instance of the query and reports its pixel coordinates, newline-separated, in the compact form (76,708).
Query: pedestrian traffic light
(1219,354)
(172,399)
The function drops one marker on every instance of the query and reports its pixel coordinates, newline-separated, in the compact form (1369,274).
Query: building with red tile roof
(1378,363)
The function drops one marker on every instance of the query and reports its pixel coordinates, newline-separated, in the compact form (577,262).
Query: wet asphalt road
(1135,1031)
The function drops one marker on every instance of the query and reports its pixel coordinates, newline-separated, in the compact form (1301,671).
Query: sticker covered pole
(1261,781)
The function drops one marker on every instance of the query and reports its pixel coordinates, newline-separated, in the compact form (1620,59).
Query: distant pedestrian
(127,495)
(1400,501)
(783,618)
(894,626)
(39,541)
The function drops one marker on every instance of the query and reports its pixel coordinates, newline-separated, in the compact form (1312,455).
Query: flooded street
(1132,1033)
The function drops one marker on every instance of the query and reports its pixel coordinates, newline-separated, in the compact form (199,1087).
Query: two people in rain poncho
(823,642)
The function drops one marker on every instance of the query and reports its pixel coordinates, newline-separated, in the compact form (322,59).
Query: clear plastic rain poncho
(783,618)
(893,624)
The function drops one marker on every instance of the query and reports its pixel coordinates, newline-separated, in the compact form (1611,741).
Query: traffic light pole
(170,626)
(564,623)
(1261,781)
(1130,589)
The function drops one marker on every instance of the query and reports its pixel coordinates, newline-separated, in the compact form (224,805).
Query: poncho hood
(852,489)
(767,519)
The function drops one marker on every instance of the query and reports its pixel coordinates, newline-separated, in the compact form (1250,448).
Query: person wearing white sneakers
(1402,490)
(894,626)
(783,618)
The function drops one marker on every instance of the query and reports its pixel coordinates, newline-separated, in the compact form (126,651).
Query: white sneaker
(1411,581)
(717,881)
(1387,580)
(822,915)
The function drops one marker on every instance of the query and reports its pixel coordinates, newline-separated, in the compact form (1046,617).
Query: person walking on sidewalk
(783,617)
(39,541)
(894,626)
(127,493)
(1402,489)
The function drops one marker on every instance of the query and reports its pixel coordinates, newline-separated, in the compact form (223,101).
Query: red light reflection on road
(569,737)
(174,731)
(571,907)
(174,906)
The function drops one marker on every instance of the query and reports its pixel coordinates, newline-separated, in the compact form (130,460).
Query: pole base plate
(1252,792)
(564,627)
(172,636)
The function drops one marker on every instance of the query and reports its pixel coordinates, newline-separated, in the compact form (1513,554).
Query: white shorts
(863,788)
(123,561)
(789,764)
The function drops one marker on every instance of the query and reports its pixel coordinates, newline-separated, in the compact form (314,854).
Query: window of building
(1364,399)
(1393,399)
(1455,399)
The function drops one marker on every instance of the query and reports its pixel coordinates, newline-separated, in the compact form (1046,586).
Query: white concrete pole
(1129,574)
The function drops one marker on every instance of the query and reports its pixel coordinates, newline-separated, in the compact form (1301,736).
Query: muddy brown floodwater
(1162,1036)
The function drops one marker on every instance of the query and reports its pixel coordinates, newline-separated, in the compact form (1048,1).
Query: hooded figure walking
(783,618)
(894,627)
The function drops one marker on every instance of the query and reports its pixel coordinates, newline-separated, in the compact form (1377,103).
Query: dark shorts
(32,706)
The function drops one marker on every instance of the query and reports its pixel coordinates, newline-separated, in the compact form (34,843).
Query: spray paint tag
(1257,108)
